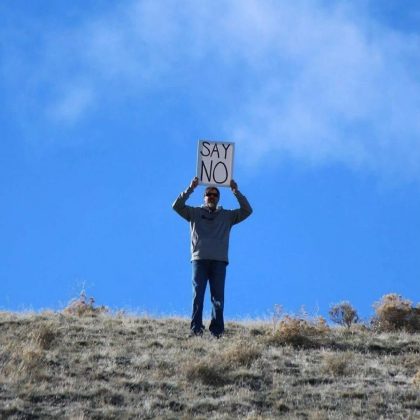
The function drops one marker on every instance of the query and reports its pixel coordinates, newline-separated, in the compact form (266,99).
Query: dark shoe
(193,333)
(217,336)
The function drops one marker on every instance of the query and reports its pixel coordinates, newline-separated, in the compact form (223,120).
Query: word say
(215,162)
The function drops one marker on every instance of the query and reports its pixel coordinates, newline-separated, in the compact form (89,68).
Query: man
(210,227)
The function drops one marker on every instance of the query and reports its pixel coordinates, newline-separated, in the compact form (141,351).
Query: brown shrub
(299,332)
(82,306)
(343,313)
(393,313)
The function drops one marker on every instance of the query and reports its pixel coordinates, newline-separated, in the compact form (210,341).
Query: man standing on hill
(210,227)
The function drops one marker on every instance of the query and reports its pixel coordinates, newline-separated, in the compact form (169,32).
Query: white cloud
(72,104)
(317,84)
(351,97)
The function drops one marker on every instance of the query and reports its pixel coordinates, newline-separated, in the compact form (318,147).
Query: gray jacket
(210,229)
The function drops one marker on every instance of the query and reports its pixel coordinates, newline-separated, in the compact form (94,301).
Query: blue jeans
(215,273)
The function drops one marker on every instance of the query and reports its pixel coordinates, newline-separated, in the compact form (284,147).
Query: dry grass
(58,365)
(416,379)
(339,363)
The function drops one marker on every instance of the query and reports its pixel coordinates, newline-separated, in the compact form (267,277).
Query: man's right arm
(179,204)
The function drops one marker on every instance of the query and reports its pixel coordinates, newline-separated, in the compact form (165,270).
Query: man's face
(211,199)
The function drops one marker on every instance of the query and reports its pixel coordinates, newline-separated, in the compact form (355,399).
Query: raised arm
(245,208)
(179,204)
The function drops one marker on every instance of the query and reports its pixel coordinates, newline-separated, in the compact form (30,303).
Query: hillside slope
(103,366)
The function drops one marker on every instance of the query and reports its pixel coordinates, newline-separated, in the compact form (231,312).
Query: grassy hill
(57,365)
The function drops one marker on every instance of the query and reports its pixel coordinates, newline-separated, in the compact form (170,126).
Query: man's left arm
(245,208)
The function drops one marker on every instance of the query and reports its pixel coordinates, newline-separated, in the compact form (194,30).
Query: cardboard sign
(215,162)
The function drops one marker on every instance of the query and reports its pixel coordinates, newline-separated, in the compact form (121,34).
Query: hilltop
(58,365)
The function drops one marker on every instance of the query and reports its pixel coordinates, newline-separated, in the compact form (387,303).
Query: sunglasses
(212,195)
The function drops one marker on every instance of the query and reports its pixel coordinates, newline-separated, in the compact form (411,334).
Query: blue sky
(102,106)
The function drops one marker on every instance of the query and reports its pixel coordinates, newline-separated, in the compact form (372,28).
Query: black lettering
(217,150)
(225,173)
(226,149)
(208,173)
(204,145)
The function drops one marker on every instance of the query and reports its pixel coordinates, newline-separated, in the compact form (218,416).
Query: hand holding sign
(215,163)
(194,183)
(233,186)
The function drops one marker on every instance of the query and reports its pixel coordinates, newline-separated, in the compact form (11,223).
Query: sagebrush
(394,313)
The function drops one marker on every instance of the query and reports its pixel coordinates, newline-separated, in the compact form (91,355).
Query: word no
(215,162)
